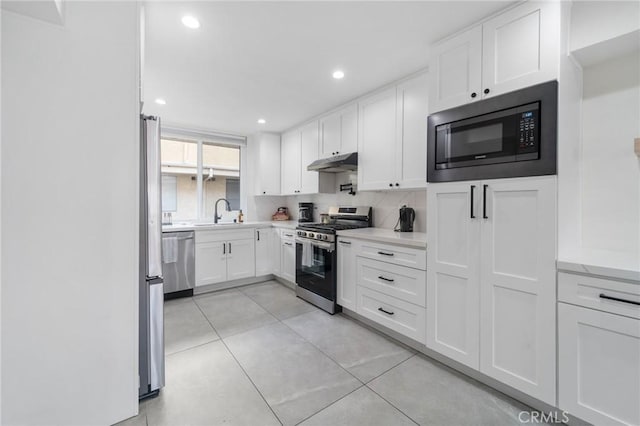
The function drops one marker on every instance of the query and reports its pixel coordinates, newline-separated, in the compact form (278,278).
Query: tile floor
(257,355)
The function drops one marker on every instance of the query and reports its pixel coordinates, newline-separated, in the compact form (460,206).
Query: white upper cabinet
(520,47)
(411,165)
(299,148)
(456,70)
(377,141)
(392,137)
(290,161)
(308,154)
(513,50)
(268,164)
(339,132)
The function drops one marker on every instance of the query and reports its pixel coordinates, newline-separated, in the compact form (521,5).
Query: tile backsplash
(386,205)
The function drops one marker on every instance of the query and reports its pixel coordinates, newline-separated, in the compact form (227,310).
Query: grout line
(243,370)
(191,347)
(391,368)
(334,402)
(389,402)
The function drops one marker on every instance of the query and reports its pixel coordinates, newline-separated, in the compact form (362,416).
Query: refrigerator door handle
(154,192)
(156,335)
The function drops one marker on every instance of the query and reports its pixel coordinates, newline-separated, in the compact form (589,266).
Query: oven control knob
(310,235)
(300,233)
(325,237)
(318,236)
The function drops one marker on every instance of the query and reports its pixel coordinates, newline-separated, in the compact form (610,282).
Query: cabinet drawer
(398,281)
(287,234)
(224,235)
(404,256)
(596,293)
(405,318)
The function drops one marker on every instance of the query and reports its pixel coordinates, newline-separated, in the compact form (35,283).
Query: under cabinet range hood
(336,164)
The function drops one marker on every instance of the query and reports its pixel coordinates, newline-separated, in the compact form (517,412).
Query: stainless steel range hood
(336,164)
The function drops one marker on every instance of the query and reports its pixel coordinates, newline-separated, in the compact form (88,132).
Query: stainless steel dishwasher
(178,263)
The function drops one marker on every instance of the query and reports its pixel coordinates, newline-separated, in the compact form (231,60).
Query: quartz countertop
(605,263)
(290,224)
(410,239)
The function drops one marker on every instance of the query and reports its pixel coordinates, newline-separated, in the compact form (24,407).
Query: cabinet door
(520,47)
(211,263)
(330,135)
(518,284)
(263,252)
(349,130)
(309,180)
(268,165)
(276,255)
(290,162)
(599,365)
(455,70)
(241,259)
(411,159)
(346,273)
(377,141)
(453,270)
(288,271)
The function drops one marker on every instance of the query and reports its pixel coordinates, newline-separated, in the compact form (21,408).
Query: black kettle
(407,216)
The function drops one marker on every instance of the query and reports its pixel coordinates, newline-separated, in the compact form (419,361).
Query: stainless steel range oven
(316,255)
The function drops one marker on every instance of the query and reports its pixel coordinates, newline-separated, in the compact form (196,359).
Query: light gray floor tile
(363,352)
(139,420)
(295,378)
(206,386)
(362,407)
(279,300)
(185,326)
(432,394)
(232,312)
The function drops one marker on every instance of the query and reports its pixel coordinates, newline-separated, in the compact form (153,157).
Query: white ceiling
(274,59)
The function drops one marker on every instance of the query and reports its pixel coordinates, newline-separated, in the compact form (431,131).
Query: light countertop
(605,263)
(290,224)
(410,239)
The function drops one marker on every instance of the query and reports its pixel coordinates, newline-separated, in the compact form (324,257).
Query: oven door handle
(321,244)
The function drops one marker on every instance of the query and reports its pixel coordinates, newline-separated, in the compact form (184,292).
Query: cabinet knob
(391,185)
(474,94)
(486,91)
(397,184)
(337,153)
(264,192)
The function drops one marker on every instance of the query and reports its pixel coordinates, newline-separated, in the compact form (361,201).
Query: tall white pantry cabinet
(491,286)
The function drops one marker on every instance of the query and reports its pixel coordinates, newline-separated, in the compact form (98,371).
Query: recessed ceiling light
(338,74)
(261,121)
(161,101)
(190,22)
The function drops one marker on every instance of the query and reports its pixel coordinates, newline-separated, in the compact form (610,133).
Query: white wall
(69,281)
(610,169)
(596,21)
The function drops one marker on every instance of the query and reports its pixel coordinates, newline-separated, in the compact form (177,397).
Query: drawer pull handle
(385,253)
(289,244)
(385,279)
(345,242)
(288,235)
(385,311)
(604,296)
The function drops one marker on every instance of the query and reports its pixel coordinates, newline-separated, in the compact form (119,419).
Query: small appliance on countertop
(305,212)
(281,214)
(405,221)
(316,255)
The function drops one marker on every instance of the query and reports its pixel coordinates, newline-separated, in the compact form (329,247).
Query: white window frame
(213,138)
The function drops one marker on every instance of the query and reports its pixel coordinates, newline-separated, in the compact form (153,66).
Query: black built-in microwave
(510,135)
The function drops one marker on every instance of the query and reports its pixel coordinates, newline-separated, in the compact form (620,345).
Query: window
(195,174)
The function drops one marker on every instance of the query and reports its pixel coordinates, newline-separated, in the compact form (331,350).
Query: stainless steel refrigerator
(151,360)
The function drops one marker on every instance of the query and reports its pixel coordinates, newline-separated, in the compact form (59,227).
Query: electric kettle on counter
(405,222)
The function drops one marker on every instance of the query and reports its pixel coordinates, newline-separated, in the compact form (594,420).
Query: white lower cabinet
(346,273)
(264,253)
(599,349)
(275,252)
(491,287)
(288,256)
(224,256)
(379,287)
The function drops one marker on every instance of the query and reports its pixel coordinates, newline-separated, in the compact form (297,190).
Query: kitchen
(456,272)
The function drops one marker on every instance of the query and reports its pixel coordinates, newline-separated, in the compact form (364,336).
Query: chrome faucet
(215,213)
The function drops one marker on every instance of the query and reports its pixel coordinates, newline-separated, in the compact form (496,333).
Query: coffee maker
(305,212)
(407,216)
